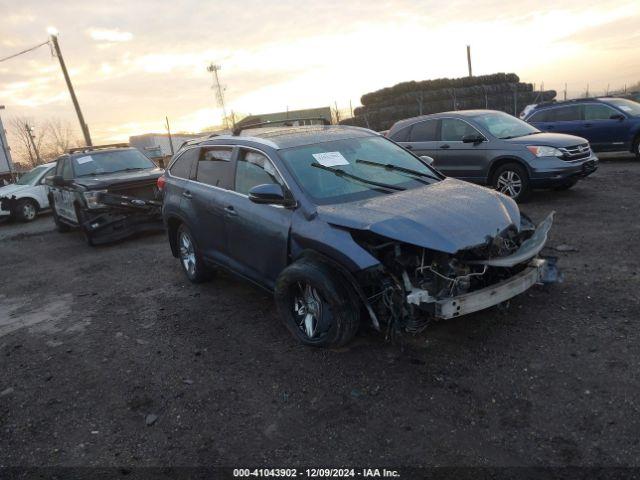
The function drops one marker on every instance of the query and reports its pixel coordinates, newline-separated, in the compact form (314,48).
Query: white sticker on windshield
(330,159)
(86,159)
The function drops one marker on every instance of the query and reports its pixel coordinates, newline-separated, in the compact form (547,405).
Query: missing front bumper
(535,272)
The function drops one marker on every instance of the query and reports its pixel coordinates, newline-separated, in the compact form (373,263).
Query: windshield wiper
(341,173)
(517,136)
(390,166)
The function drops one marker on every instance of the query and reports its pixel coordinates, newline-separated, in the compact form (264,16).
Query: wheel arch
(503,160)
(173,224)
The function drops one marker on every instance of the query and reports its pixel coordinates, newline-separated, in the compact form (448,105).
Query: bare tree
(51,138)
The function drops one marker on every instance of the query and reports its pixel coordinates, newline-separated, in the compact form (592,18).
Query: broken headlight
(92,197)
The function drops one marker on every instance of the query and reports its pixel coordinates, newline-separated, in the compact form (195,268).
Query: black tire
(190,258)
(336,304)
(512,180)
(636,147)
(26,210)
(566,186)
(82,219)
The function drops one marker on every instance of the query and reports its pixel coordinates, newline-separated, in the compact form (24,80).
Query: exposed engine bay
(414,285)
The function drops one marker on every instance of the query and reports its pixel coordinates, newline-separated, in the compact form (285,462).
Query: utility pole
(469,60)
(214,69)
(76,105)
(29,130)
(169,133)
(4,148)
(565,91)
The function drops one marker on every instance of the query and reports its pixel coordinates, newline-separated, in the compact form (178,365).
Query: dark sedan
(497,149)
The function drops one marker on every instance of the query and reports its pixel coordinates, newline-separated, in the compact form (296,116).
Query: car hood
(120,178)
(10,190)
(548,139)
(447,216)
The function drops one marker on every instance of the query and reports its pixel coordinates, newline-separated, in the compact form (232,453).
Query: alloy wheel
(509,183)
(187,254)
(28,211)
(307,306)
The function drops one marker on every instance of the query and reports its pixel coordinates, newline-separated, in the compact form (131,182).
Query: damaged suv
(109,192)
(344,225)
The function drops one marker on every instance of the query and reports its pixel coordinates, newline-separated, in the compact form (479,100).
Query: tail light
(161,182)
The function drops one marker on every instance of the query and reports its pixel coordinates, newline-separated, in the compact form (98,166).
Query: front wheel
(512,180)
(636,148)
(26,210)
(317,305)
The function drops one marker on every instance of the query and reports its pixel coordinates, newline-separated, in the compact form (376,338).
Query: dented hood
(447,216)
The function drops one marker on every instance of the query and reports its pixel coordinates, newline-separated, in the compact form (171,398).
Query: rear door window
(252,169)
(454,130)
(598,112)
(426,131)
(181,168)
(214,167)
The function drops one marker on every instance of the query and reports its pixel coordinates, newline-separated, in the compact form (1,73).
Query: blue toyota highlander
(610,124)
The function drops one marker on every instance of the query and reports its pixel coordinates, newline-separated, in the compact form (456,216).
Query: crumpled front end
(118,213)
(413,285)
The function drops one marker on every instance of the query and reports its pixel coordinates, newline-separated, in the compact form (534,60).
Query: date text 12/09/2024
(316,473)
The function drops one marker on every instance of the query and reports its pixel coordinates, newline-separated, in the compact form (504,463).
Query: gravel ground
(110,358)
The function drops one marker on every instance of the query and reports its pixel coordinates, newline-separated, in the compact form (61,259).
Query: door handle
(446,145)
(408,147)
(187,194)
(230,211)
(588,125)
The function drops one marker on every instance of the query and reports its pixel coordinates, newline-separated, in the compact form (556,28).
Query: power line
(23,51)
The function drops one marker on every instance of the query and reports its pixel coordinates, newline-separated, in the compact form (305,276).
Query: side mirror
(617,116)
(427,159)
(473,138)
(269,193)
(58,181)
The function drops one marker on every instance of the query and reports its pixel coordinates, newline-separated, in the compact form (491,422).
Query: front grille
(143,192)
(577,152)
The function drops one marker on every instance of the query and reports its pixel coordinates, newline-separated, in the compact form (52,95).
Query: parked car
(497,149)
(610,124)
(341,224)
(109,192)
(27,197)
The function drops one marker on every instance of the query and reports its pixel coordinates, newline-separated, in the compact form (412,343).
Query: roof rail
(98,147)
(285,123)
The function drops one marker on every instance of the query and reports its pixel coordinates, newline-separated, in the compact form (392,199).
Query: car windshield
(370,159)
(97,163)
(31,177)
(504,126)
(628,106)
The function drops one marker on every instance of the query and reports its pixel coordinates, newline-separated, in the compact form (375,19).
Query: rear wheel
(317,305)
(190,258)
(26,210)
(636,148)
(512,180)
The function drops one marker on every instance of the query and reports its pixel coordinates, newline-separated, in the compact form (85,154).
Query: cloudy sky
(133,62)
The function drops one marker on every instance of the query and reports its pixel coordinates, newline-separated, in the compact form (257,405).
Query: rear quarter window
(181,168)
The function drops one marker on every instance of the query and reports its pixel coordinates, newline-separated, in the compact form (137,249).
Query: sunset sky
(133,62)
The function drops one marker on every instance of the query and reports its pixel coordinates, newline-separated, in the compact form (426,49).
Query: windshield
(504,126)
(31,177)
(627,106)
(97,163)
(365,158)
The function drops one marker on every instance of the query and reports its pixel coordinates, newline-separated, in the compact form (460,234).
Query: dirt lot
(97,343)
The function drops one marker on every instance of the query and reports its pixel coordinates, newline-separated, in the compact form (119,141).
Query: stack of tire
(500,91)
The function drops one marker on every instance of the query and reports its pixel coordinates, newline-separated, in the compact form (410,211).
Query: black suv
(109,192)
(342,223)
